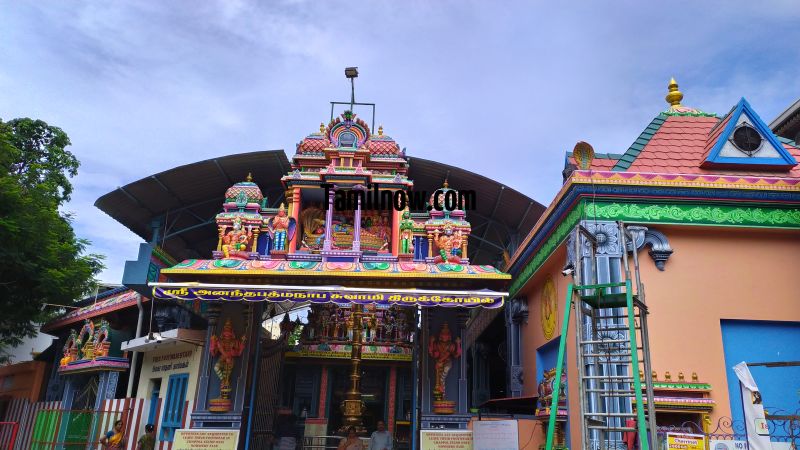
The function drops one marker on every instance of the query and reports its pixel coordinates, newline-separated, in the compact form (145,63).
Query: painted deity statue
(449,244)
(443,349)
(235,240)
(227,347)
(280,226)
(406,234)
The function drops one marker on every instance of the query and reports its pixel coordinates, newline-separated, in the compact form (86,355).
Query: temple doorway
(374,390)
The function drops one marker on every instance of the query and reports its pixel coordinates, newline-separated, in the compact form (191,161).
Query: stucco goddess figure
(228,348)
(443,350)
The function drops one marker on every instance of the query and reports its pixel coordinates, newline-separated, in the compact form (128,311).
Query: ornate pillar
(357,220)
(430,245)
(255,240)
(462,379)
(214,310)
(323,392)
(516,314)
(294,213)
(244,361)
(327,243)
(353,406)
(392,400)
(395,232)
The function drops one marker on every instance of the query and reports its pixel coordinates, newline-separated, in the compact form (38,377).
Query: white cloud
(501,89)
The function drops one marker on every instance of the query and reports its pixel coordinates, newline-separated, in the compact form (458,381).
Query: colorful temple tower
(377,282)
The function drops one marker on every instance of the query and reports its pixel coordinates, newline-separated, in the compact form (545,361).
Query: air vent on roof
(747,139)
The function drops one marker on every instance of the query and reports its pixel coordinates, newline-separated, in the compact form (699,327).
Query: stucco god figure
(443,350)
(228,348)
(235,240)
(280,227)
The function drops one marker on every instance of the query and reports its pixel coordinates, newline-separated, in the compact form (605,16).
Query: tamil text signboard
(445,439)
(195,439)
(486,299)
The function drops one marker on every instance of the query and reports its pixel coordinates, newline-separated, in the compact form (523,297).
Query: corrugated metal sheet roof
(188,197)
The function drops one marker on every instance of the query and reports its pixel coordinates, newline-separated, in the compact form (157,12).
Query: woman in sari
(115,438)
(352,442)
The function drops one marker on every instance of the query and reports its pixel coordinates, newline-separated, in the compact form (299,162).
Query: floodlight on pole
(352,73)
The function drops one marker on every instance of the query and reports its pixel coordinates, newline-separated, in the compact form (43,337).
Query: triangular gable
(745,141)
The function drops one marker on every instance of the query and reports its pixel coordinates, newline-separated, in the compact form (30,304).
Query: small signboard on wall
(196,439)
(445,439)
(686,441)
(495,435)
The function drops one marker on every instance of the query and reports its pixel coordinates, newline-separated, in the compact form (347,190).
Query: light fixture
(351,72)
(569,269)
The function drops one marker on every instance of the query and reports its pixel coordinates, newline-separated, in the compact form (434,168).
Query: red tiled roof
(313,145)
(383,146)
(682,143)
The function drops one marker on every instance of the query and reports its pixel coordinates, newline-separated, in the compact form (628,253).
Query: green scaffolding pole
(637,382)
(562,347)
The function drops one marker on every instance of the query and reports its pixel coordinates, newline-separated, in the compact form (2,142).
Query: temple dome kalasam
(251,191)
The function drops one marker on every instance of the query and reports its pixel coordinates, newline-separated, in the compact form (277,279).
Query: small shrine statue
(443,350)
(326,323)
(71,349)
(449,244)
(406,234)
(545,402)
(235,240)
(280,227)
(227,347)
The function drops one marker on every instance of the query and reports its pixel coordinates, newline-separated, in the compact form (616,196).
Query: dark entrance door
(374,387)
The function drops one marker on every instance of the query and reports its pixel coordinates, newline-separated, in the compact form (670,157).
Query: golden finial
(667,376)
(321,128)
(249,177)
(445,185)
(380,130)
(674,96)
(654,375)
(694,377)
(680,376)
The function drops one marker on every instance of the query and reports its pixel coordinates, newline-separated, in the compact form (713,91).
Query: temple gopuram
(322,302)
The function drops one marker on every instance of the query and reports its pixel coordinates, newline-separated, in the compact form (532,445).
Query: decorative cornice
(687,180)
(632,186)
(695,214)
(662,213)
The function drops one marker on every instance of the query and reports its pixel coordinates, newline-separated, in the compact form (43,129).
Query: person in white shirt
(380,439)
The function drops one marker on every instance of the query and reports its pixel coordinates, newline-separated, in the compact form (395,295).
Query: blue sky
(499,88)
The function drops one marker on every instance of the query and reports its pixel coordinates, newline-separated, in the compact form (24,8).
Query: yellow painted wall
(154,367)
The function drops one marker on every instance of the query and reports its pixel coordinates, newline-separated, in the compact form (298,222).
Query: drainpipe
(135,356)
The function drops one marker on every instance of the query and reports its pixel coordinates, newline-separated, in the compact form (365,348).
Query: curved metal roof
(177,207)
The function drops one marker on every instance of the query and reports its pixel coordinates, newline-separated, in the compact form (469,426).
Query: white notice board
(495,435)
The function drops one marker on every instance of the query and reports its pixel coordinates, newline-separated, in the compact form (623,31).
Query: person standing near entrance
(352,441)
(115,438)
(380,439)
